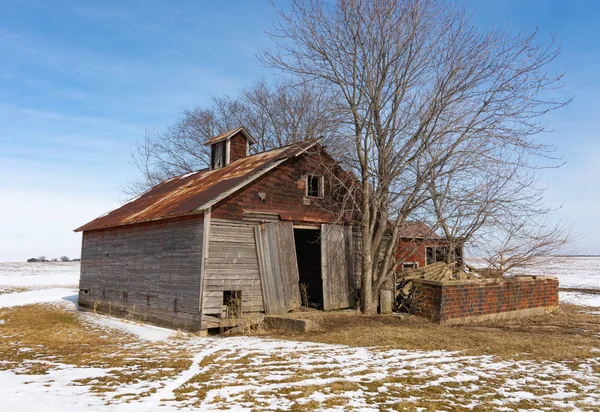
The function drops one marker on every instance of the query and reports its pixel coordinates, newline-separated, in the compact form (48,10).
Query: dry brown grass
(13,289)
(58,336)
(35,339)
(565,334)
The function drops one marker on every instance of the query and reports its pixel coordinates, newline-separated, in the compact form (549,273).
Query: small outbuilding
(237,238)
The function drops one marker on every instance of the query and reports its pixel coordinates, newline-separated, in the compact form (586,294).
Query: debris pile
(440,271)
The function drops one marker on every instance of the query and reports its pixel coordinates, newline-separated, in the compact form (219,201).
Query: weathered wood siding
(338,282)
(151,271)
(232,264)
(278,267)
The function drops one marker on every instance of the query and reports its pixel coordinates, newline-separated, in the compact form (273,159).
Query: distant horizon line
(79,259)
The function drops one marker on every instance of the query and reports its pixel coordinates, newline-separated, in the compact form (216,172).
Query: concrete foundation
(289,323)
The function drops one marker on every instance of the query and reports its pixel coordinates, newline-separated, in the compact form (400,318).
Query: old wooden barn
(249,230)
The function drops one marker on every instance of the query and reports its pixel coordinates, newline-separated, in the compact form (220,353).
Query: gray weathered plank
(337,288)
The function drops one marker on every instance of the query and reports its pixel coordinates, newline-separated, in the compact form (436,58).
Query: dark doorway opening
(308,256)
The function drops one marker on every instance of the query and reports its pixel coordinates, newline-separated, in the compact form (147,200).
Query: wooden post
(205,240)
(385,301)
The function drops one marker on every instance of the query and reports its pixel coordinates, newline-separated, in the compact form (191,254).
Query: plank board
(232,264)
(268,265)
(278,267)
(288,265)
(152,271)
(338,289)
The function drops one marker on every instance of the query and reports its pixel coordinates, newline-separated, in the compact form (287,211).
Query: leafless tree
(276,115)
(418,85)
(493,203)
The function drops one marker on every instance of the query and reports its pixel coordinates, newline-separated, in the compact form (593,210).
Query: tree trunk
(368,300)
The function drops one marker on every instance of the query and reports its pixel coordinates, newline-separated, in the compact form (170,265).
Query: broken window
(430,255)
(232,303)
(218,155)
(314,186)
(409,265)
(436,254)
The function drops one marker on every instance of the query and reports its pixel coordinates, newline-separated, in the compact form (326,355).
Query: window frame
(224,155)
(320,187)
(413,264)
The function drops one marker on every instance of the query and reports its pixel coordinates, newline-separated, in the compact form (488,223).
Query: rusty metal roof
(194,192)
(230,133)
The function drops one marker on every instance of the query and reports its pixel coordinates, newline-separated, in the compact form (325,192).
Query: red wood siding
(415,250)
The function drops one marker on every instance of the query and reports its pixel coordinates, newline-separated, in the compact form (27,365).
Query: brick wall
(457,301)
(285,189)
(237,147)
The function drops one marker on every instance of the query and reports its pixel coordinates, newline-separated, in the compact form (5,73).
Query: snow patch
(580,298)
(146,332)
(38,296)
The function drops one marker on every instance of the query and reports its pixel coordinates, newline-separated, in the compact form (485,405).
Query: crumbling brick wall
(453,301)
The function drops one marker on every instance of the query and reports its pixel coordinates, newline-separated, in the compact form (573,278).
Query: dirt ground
(352,362)
(568,333)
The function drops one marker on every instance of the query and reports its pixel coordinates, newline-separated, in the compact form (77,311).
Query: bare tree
(276,115)
(495,205)
(417,84)
(522,243)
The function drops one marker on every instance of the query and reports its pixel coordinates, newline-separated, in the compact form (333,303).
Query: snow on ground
(579,298)
(572,272)
(37,296)
(39,274)
(146,332)
(248,373)
(44,282)
(578,273)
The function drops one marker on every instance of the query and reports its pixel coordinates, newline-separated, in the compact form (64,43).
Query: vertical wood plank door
(337,288)
(278,267)
(288,264)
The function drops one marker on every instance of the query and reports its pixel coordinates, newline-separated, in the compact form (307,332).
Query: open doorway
(308,256)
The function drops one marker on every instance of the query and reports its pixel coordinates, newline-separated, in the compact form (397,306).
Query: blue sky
(81,81)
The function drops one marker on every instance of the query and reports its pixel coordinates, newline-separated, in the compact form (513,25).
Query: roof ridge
(235,161)
(192,193)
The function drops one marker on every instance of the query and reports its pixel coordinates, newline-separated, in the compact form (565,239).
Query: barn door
(277,267)
(337,287)
(288,265)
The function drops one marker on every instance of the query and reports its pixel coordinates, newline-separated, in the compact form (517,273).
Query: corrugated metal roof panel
(230,133)
(189,193)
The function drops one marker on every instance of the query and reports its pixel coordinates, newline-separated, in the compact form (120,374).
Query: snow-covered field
(38,274)
(252,373)
(577,273)
(573,272)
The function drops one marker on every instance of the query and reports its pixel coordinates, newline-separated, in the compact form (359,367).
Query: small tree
(64,259)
